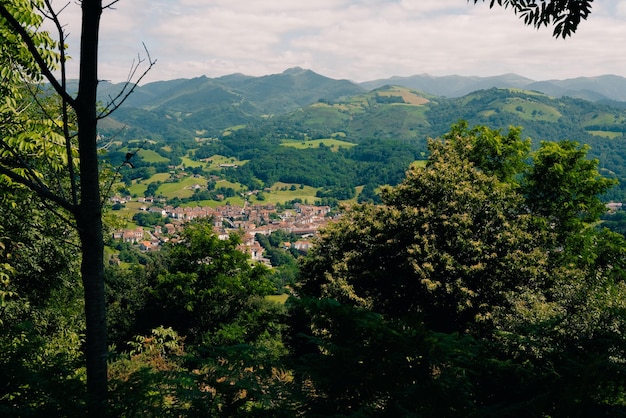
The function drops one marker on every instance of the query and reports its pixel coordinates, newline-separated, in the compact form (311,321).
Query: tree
(563,186)
(471,288)
(565,15)
(74,191)
(207,292)
(41,320)
(204,288)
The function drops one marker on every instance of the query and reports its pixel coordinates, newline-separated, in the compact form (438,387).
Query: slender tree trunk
(89,212)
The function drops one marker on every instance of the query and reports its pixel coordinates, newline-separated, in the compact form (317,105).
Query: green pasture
(181,188)
(151,156)
(188,162)
(606,134)
(148,155)
(233,201)
(140,187)
(410,97)
(276,195)
(216,160)
(334,144)
(123,218)
(603,118)
(322,114)
(225,183)
(231,129)
(531,110)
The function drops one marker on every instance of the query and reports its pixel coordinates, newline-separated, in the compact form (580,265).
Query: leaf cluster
(564,15)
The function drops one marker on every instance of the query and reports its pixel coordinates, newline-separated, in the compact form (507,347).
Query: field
(281,193)
(151,156)
(216,160)
(278,298)
(140,187)
(188,162)
(181,188)
(409,97)
(531,110)
(333,144)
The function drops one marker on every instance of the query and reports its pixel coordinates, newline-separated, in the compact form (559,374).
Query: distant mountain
(396,112)
(210,105)
(602,88)
(452,85)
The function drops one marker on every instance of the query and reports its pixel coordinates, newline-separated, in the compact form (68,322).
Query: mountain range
(301,101)
(296,87)
(605,88)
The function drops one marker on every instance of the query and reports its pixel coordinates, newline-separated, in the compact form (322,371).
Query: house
(129,235)
(146,246)
(156,209)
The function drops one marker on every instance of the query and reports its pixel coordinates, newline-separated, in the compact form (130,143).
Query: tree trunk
(89,212)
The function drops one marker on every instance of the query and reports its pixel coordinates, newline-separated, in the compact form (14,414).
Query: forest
(483,283)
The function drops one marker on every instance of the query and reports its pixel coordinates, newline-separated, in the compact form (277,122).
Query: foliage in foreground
(480,288)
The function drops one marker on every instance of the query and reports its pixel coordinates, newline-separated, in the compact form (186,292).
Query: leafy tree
(204,291)
(203,288)
(149,219)
(40,311)
(565,187)
(462,289)
(564,15)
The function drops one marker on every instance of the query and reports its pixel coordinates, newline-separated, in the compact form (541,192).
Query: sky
(358,40)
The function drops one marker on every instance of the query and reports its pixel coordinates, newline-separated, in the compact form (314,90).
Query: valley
(298,138)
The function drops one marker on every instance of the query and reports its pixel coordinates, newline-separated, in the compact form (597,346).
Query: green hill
(253,118)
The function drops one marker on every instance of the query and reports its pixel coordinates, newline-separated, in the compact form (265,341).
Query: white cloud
(354,39)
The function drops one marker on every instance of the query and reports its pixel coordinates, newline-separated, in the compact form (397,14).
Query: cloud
(353,39)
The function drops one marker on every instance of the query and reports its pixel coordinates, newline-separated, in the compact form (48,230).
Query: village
(248,221)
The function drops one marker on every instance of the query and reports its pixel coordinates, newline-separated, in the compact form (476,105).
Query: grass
(603,118)
(276,195)
(226,183)
(188,162)
(531,110)
(140,187)
(333,144)
(181,188)
(606,134)
(151,156)
(233,201)
(281,299)
(216,160)
(409,97)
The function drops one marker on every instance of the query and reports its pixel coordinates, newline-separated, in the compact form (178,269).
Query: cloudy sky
(359,40)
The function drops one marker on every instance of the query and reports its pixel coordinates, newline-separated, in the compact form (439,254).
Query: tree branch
(110,5)
(65,103)
(39,188)
(120,98)
(32,49)
(564,15)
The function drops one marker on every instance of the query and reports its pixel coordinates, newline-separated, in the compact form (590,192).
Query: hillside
(205,107)
(250,118)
